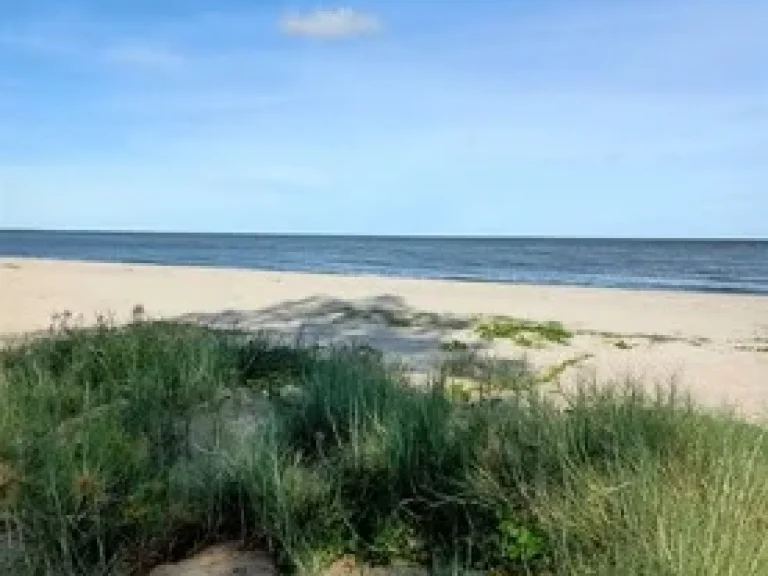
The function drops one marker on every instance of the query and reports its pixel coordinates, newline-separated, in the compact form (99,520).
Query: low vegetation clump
(552,374)
(622,345)
(525,333)
(122,448)
(399,316)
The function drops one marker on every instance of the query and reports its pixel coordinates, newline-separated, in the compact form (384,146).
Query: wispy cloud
(144,55)
(37,43)
(330,23)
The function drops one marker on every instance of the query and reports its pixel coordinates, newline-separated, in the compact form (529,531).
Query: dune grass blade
(121,448)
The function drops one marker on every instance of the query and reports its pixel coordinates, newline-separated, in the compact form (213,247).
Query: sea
(733,266)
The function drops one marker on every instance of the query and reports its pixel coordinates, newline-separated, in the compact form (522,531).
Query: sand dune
(716,345)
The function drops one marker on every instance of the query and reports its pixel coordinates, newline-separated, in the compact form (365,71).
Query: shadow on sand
(385,322)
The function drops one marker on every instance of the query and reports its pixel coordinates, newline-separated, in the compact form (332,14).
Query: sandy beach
(715,345)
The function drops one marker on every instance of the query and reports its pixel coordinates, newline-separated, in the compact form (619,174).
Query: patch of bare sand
(223,560)
(230,560)
(714,345)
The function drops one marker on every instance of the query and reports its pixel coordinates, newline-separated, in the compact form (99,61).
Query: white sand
(721,354)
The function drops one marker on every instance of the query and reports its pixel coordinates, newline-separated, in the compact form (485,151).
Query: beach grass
(125,447)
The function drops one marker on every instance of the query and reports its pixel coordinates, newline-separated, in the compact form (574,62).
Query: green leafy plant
(519,543)
(525,333)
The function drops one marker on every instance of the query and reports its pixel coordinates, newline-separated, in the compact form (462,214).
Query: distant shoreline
(708,266)
(11,260)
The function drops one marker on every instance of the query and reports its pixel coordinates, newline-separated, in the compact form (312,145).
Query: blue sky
(519,117)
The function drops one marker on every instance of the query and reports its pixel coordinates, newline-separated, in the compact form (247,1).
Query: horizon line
(391,236)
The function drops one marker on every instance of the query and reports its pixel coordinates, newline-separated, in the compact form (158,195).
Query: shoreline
(671,264)
(714,345)
(352,285)
(701,290)
(6,261)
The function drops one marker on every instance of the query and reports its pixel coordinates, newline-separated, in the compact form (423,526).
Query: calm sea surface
(701,265)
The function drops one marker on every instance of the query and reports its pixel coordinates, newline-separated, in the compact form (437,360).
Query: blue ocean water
(693,265)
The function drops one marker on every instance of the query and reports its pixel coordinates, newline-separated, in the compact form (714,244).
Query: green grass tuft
(524,333)
(121,448)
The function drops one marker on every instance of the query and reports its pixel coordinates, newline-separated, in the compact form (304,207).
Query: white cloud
(329,23)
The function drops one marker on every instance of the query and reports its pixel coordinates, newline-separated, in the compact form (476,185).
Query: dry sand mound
(222,560)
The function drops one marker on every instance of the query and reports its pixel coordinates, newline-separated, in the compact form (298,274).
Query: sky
(643,118)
